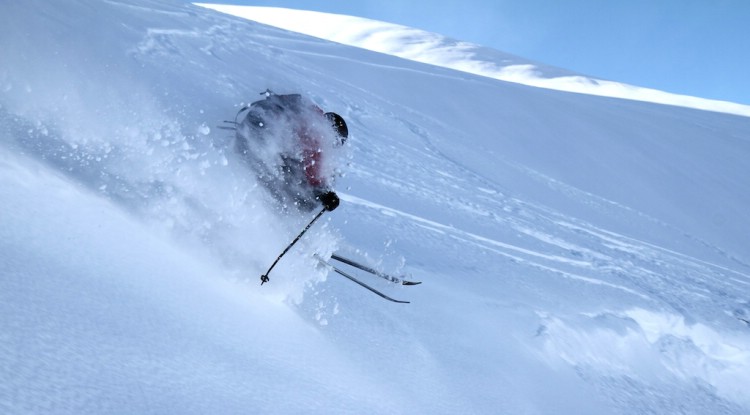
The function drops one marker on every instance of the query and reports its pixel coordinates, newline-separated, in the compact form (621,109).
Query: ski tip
(404,282)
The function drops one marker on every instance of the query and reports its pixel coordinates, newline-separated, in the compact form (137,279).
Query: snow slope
(580,254)
(433,48)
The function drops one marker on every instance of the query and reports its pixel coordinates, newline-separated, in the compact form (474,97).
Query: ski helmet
(339,125)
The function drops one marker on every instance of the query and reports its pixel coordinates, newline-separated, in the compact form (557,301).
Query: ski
(344,274)
(374,271)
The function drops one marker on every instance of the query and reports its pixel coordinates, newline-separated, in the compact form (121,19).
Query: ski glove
(330,200)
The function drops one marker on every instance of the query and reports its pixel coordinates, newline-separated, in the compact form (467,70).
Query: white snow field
(579,254)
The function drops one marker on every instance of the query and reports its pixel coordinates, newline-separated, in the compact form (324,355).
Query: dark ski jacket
(304,173)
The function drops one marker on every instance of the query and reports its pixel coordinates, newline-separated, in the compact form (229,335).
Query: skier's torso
(286,138)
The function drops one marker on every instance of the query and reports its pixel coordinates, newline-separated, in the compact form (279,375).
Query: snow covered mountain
(579,254)
(435,49)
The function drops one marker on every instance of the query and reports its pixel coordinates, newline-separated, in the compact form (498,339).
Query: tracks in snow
(565,247)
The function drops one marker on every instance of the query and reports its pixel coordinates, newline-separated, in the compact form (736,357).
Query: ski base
(355,280)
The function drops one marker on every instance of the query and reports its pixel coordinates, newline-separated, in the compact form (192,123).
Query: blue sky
(693,47)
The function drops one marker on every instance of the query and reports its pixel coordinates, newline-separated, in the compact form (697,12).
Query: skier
(288,141)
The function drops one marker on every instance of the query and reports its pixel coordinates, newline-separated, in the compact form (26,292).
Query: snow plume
(152,151)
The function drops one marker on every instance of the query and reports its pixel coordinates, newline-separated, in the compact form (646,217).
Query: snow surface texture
(579,254)
(433,48)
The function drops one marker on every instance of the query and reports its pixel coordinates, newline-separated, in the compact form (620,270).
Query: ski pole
(264,278)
